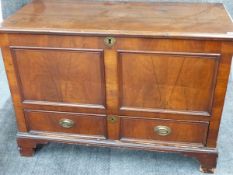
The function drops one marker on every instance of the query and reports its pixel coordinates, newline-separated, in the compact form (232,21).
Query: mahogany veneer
(148,76)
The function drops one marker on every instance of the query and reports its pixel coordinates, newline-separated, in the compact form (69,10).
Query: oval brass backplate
(112,118)
(162,130)
(66,123)
(109,41)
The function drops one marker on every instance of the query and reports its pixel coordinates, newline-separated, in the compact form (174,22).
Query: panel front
(167,82)
(61,76)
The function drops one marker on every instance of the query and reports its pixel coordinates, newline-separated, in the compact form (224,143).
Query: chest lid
(122,18)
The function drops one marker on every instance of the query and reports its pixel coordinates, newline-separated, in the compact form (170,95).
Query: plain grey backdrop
(61,159)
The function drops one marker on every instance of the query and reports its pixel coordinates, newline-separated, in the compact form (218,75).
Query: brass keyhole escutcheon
(162,130)
(66,123)
(109,41)
(112,119)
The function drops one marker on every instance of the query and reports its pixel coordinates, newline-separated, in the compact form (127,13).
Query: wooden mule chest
(139,75)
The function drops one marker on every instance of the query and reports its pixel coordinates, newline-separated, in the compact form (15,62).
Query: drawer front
(82,124)
(150,130)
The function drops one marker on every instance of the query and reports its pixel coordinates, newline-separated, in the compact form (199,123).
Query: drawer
(149,130)
(81,124)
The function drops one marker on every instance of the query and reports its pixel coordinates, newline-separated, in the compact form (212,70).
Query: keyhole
(112,119)
(109,41)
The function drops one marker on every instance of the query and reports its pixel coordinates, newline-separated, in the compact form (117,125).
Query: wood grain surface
(169,66)
(127,18)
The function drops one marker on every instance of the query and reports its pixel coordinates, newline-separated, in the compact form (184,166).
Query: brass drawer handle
(66,123)
(162,130)
(109,41)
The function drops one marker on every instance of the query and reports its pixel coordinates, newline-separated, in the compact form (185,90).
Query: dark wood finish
(169,66)
(124,18)
(56,75)
(167,85)
(206,156)
(112,91)
(28,146)
(208,161)
(84,124)
(220,92)
(143,130)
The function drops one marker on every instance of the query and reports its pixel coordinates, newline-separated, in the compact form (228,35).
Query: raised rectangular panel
(60,76)
(167,81)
